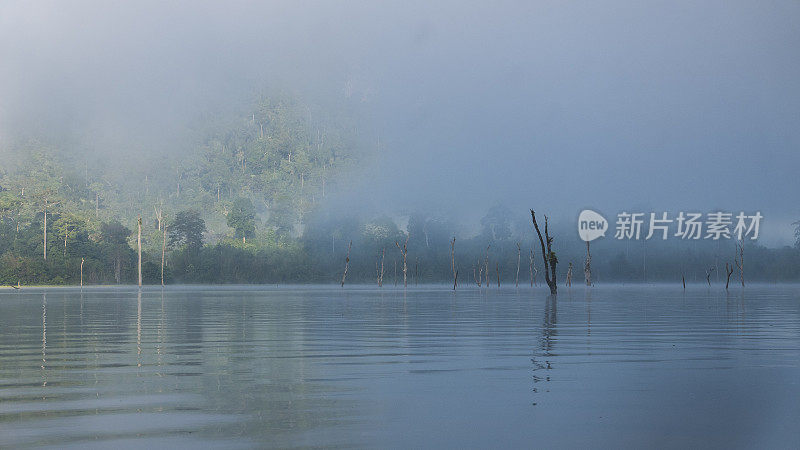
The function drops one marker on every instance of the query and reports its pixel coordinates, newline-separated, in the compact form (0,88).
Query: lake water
(609,367)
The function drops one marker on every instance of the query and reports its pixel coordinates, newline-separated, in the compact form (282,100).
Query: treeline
(505,246)
(503,250)
(245,205)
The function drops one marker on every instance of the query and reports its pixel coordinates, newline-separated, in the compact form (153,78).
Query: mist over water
(613,106)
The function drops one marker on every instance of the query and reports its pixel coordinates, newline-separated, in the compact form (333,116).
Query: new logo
(591,225)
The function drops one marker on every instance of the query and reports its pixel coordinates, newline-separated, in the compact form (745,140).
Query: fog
(651,106)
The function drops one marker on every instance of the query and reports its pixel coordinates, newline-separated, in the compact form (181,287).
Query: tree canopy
(241,217)
(187,230)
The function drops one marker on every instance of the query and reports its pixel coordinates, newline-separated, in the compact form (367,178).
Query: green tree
(9,202)
(67,228)
(114,239)
(114,233)
(187,230)
(10,205)
(381,232)
(241,218)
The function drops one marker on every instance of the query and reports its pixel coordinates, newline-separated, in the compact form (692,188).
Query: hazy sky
(556,105)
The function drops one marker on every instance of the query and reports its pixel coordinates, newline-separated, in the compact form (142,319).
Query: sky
(555,105)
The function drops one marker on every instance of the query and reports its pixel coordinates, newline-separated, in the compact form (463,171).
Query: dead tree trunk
(569,275)
(163,254)
(531,267)
(404,252)
(587,268)
(683,278)
(740,261)
(486,265)
(728,271)
(81,272)
(708,274)
(453,262)
(139,247)
(549,257)
(159,213)
(519,260)
(497,271)
(383,255)
(45,229)
(380,272)
(346,262)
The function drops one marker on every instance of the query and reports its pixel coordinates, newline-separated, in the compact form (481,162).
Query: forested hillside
(252,179)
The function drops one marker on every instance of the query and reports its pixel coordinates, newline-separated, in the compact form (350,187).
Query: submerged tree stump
(548,255)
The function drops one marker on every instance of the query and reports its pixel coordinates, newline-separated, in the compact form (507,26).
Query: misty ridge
(277,143)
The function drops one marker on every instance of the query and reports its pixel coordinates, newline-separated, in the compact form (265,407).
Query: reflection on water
(611,366)
(44,337)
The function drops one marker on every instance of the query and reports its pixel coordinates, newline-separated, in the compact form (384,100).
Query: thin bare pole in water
(379,269)
(740,261)
(404,252)
(728,272)
(45,223)
(587,268)
(45,229)
(139,247)
(708,274)
(486,265)
(548,255)
(163,254)
(519,260)
(347,262)
(453,262)
(569,275)
(531,267)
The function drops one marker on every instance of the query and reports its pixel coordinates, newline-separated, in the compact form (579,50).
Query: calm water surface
(614,366)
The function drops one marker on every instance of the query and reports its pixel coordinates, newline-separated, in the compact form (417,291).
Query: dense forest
(247,204)
(245,188)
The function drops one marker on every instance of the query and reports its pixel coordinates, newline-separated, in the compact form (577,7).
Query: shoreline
(448,286)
